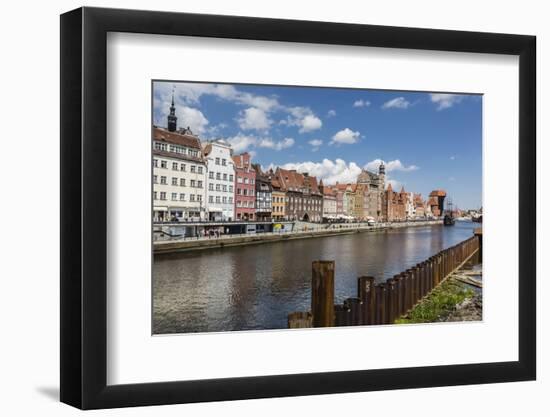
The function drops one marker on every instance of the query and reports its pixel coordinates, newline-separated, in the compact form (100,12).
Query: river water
(256,286)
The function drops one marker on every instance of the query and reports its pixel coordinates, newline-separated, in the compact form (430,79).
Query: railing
(384,302)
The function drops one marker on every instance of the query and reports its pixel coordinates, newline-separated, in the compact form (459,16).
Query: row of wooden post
(380,303)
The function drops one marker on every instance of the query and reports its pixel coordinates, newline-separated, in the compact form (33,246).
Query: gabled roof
(163,135)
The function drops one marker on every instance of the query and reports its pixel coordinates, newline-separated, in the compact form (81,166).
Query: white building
(220,193)
(179,176)
(410,206)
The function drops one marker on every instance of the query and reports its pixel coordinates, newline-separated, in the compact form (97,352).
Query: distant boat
(478,219)
(448,219)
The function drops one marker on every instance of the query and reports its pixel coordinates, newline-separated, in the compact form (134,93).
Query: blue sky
(427,141)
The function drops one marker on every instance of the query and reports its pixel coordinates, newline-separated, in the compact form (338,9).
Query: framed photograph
(256,208)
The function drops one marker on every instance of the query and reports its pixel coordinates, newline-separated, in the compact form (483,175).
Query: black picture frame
(84,207)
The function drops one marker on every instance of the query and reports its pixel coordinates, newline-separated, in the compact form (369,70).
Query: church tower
(382,175)
(172,119)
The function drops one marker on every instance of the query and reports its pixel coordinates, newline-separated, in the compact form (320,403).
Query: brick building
(245,188)
(303,199)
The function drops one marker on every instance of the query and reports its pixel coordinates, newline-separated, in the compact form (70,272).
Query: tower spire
(172,119)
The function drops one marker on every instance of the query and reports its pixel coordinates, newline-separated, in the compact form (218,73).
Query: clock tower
(172,119)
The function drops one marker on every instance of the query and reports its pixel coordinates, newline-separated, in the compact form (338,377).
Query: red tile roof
(163,135)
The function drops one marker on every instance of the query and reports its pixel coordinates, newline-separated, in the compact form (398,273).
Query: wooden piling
(300,320)
(354,305)
(341,315)
(478,232)
(366,292)
(322,293)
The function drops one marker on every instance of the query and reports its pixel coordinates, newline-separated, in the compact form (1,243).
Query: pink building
(245,180)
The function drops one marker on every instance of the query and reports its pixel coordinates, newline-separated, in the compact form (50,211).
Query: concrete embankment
(183,245)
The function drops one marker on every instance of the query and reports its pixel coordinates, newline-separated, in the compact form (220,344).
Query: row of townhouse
(194,181)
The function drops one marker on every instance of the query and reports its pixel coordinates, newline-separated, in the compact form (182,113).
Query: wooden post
(366,292)
(341,315)
(479,234)
(355,306)
(300,320)
(391,300)
(322,293)
(380,303)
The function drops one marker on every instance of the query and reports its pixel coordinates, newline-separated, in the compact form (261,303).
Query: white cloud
(346,135)
(396,103)
(276,145)
(445,101)
(254,119)
(394,165)
(395,184)
(315,144)
(331,113)
(193,118)
(361,103)
(242,142)
(329,171)
(302,117)
(310,123)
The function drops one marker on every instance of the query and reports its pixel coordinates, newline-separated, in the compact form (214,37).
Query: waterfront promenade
(300,230)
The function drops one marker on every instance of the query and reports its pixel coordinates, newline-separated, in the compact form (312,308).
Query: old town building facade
(303,199)
(264,191)
(245,179)
(220,192)
(179,173)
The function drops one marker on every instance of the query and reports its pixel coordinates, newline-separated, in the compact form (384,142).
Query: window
(183,167)
(224,188)
(224,199)
(155,179)
(163,164)
(217,161)
(211,175)
(230,200)
(199,197)
(182,197)
(163,180)
(191,197)
(155,163)
(252,181)
(199,184)
(230,188)
(245,191)
(175,166)
(193,183)
(174,196)
(199,169)
(174,181)
(182,182)
(162,195)
(161,146)
(218,175)
(217,187)
(154,195)
(224,162)
(240,180)
(225,177)
(210,199)
(211,187)
(230,177)
(217,199)
(245,180)
(238,191)
(193,168)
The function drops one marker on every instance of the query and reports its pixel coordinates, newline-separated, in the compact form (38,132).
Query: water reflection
(255,287)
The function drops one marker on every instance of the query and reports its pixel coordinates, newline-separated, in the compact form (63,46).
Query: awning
(215,210)
(160,208)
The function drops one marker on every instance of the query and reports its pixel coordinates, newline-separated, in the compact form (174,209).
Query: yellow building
(277,201)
